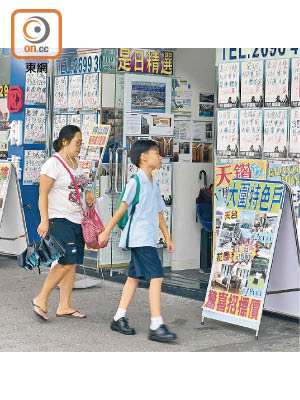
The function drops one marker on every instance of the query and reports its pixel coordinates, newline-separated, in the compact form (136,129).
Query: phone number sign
(244,54)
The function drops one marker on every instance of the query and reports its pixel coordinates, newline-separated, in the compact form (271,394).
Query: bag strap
(74,181)
(134,204)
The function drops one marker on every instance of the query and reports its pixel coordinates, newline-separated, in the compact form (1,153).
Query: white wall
(198,67)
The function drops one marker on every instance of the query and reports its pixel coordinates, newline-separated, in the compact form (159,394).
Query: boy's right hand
(103,237)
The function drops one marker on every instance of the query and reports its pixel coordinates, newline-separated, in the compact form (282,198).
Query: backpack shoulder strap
(137,193)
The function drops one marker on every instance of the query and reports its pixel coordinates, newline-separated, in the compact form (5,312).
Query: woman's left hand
(89,198)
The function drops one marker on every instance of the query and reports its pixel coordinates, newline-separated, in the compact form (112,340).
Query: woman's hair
(139,147)
(67,132)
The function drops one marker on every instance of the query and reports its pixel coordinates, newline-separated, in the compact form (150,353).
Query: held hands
(43,229)
(170,246)
(103,237)
(89,198)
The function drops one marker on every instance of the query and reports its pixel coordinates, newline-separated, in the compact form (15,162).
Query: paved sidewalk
(20,330)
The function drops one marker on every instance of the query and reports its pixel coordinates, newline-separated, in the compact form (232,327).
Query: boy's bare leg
(128,292)
(53,278)
(155,296)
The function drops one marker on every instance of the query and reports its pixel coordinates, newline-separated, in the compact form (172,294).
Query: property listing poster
(91,97)
(244,252)
(182,129)
(181,105)
(136,124)
(36,88)
(288,172)
(294,133)
(295,83)
(35,126)
(252,84)
(75,92)
(33,161)
(251,132)
(60,96)
(275,133)
(87,122)
(227,132)
(59,121)
(277,83)
(228,85)
(225,171)
(74,119)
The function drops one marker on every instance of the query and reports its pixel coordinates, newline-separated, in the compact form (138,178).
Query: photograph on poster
(252,84)
(35,88)
(161,124)
(75,92)
(295,83)
(275,133)
(251,132)
(206,98)
(202,131)
(182,129)
(206,110)
(90,91)
(165,145)
(35,126)
(181,149)
(148,97)
(60,95)
(136,124)
(227,132)
(181,98)
(294,148)
(228,85)
(201,152)
(277,83)
(4,113)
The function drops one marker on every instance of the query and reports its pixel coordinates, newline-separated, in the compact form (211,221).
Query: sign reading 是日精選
(244,252)
(157,62)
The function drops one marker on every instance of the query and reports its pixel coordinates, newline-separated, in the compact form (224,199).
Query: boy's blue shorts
(145,263)
(69,235)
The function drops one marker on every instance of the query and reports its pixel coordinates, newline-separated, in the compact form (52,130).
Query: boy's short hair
(139,147)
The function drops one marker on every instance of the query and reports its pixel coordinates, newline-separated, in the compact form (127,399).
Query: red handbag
(91,223)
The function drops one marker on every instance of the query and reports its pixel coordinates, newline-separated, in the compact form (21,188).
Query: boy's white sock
(156,322)
(120,314)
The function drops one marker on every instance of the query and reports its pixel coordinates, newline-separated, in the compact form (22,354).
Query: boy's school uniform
(143,234)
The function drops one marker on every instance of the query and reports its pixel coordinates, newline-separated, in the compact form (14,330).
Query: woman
(61,215)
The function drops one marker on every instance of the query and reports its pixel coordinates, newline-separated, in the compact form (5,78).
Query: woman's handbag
(91,223)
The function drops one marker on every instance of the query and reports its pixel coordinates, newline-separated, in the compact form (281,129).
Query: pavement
(22,331)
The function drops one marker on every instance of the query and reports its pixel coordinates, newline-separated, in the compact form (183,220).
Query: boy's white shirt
(145,221)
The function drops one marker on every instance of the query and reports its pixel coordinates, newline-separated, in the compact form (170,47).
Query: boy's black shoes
(162,334)
(122,326)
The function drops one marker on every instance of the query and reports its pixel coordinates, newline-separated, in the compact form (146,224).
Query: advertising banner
(244,252)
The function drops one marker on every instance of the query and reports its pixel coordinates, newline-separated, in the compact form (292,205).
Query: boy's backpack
(123,221)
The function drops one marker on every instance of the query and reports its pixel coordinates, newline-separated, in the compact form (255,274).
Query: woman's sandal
(71,315)
(36,313)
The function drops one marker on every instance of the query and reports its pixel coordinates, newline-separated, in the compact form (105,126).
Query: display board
(244,252)
(252,78)
(228,85)
(13,237)
(251,133)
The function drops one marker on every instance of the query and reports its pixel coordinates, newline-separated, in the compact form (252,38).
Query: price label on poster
(295,132)
(277,83)
(60,92)
(90,91)
(227,132)
(75,92)
(295,83)
(251,133)
(33,161)
(36,88)
(275,133)
(87,122)
(228,85)
(244,252)
(35,126)
(252,84)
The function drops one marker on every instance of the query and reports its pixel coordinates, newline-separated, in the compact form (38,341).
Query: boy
(142,240)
